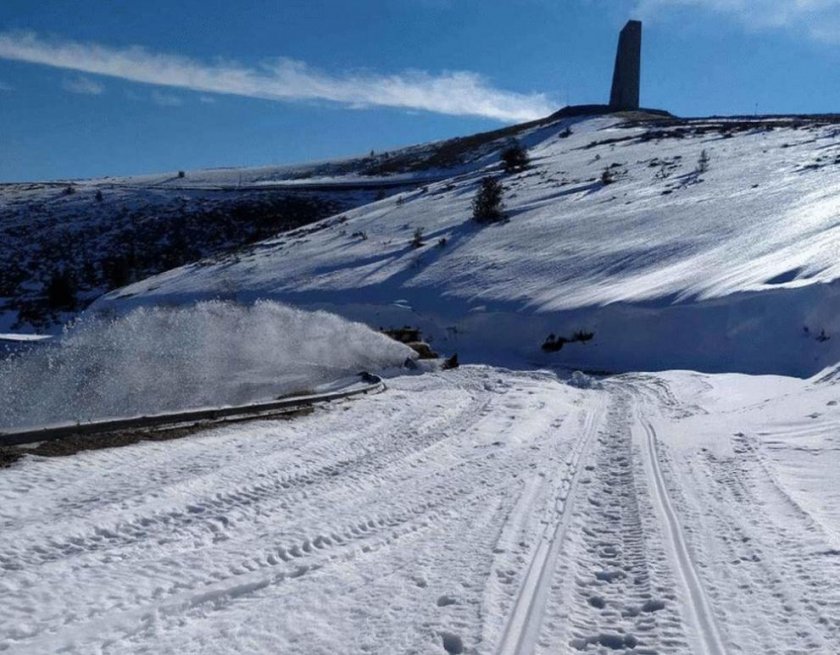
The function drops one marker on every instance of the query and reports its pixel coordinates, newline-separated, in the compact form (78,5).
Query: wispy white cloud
(457,93)
(166,99)
(208,100)
(817,19)
(83,85)
(5,87)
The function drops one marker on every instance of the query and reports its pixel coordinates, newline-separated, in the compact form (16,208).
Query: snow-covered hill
(63,243)
(730,269)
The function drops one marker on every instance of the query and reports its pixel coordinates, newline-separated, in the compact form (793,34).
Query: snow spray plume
(167,359)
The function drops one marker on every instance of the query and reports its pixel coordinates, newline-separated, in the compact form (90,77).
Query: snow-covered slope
(63,243)
(729,269)
(104,235)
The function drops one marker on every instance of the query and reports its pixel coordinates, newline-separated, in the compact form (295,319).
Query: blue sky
(90,88)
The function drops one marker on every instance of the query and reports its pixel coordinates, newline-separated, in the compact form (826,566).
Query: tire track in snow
(763,542)
(428,469)
(203,466)
(699,608)
(221,586)
(613,589)
(522,629)
(271,567)
(208,518)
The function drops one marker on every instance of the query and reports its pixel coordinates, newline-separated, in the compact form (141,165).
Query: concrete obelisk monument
(628,63)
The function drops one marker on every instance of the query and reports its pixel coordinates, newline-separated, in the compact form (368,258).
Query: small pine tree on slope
(487,205)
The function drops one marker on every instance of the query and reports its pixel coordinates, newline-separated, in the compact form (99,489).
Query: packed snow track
(472,511)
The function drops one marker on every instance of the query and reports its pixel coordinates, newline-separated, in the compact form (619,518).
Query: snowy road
(474,511)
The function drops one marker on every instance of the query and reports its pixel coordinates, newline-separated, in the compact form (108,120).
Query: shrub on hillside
(117,271)
(514,158)
(61,291)
(487,205)
(417,239)
(703,162)
(553,343)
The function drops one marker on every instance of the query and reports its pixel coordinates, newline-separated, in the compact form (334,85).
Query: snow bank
(159,359)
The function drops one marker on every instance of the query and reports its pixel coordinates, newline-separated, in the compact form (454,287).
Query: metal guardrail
(374,384)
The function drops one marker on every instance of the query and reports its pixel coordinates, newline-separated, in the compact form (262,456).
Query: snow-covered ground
(485,509)
(731,269)
(478,511)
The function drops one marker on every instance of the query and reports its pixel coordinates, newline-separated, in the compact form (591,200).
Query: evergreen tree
(514,158)
(487,205)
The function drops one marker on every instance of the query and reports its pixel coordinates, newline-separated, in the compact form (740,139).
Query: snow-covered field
(479,511)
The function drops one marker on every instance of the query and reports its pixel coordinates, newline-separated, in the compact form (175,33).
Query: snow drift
(159,359)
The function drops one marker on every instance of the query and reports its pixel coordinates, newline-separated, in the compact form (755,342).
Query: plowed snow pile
(158,359)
